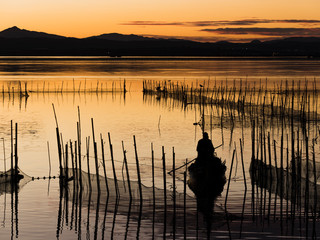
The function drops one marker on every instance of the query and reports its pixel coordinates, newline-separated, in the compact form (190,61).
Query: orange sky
(166,18)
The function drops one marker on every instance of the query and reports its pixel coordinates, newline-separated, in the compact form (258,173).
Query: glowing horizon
(202,20)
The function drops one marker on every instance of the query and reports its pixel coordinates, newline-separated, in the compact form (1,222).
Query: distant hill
(16,41)
(15,32)
(121,37)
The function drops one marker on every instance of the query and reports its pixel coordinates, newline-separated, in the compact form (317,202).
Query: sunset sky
(200,20)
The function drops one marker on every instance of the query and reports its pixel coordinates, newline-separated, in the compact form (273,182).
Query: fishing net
(6,186)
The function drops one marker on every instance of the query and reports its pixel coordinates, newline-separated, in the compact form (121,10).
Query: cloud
(215,38)
(153,23)
(241,22)
(285,32)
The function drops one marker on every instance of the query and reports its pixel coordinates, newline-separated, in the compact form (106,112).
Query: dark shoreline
(149,58)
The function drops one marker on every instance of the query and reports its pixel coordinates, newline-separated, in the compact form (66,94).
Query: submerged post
(138,168)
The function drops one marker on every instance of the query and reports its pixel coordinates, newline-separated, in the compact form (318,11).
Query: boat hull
(207,178)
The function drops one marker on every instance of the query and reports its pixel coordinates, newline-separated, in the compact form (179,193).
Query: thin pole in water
(104,164)
(113,167)
(164,192)
(16,150)
(225,202)
(138,168)
(127,170)
(11,152)
(88,163)
(174,193)
(49,159)
(4,156)
(95,156)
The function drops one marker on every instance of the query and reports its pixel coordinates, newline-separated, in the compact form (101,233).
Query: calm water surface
(39,210)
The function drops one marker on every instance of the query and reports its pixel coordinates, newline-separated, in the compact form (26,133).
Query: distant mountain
(122,37)
(15,32)
(16,41)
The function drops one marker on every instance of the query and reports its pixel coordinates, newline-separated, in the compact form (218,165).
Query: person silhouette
(205,148)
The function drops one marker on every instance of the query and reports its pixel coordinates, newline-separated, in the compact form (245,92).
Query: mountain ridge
(16,41)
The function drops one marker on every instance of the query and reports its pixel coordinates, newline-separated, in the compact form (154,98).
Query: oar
(190,161)
(182,166)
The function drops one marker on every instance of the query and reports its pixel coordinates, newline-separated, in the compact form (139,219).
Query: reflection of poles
(104,219)
(96,225)
(73,203)
(242,214)
(59,215)
(80,212)
(139,220)
(114,217)
(128,220)
(16,209)
(12,212)
(88,216)
(4,205)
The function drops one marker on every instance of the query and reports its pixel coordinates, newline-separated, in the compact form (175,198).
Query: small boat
(207,177)
(8,176)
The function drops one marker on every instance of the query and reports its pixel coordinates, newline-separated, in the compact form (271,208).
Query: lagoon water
(38,211)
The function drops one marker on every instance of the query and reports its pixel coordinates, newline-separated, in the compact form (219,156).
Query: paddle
(190,161)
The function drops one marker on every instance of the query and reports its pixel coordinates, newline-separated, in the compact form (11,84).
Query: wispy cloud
(281,32)
(215,38)
(241,22)
(153,23)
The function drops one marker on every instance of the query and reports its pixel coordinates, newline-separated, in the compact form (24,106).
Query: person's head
(205,135)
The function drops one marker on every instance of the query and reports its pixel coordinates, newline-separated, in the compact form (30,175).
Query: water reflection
(11,182)
(127,216)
